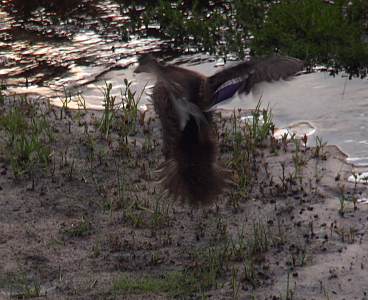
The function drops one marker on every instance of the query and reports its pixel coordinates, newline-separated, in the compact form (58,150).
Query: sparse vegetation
(93,173)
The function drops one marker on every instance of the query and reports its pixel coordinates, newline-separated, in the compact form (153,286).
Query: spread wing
(243,76)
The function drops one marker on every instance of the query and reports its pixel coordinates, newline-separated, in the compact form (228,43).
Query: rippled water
(35,58)
(82,54)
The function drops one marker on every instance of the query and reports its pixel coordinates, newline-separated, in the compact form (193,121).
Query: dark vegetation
(331,33)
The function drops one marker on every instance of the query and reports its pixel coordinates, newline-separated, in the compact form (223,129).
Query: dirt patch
(92,223)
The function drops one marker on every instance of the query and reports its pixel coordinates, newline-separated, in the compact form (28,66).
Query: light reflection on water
(40,52)
(82,59)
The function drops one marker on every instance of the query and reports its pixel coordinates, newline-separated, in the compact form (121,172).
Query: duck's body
(190,172)
(181,97)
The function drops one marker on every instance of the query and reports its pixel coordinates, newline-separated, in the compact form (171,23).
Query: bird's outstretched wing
(243,76)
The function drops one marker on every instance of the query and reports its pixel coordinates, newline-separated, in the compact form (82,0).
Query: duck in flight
(182,99)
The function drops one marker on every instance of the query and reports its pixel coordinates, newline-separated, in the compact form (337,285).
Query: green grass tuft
(168,282)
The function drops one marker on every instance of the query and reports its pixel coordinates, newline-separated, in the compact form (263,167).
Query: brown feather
(190,173)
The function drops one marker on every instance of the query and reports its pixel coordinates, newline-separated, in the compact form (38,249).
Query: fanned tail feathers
(196,185)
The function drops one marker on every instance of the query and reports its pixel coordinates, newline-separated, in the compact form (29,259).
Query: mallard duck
(182,99)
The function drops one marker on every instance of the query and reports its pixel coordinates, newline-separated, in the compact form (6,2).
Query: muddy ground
(92,223)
